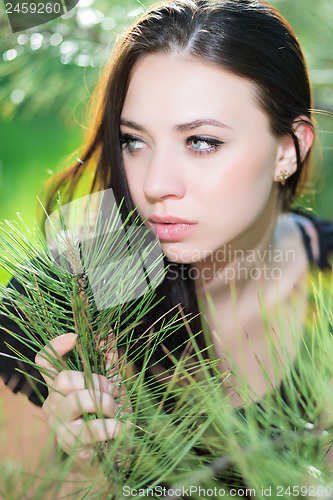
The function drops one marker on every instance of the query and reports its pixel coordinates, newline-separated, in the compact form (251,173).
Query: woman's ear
(286,159)
(304,131)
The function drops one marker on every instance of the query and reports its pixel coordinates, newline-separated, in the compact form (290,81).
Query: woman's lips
(170,228)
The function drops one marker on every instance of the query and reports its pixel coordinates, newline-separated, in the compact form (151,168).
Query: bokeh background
(48,73)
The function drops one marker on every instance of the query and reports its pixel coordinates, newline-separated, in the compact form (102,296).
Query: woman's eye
(203,145)
(131,143)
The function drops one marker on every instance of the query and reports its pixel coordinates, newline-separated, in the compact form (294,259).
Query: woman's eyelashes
(197,144)
(131,143)
(202,145)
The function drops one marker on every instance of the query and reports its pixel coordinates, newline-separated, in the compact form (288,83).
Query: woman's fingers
(56,349)
(79,403)
(73,394)
(70,380)
(80,434)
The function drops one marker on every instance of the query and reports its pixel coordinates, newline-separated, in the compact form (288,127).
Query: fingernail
(72,336)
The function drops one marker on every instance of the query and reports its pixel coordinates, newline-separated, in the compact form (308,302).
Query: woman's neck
(234,315)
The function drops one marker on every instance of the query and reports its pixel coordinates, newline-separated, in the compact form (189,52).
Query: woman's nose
(164,177)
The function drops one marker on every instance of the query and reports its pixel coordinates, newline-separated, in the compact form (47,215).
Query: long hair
(249,38)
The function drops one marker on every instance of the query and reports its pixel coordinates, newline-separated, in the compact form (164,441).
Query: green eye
(200,145)
(203,145)
(135,144)
(131,143)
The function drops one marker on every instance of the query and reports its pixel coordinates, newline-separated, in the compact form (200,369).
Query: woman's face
(198,154)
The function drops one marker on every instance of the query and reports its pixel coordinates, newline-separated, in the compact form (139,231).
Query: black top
(18,382)
(324,231)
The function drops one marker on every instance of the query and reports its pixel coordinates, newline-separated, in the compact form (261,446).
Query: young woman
(205,125)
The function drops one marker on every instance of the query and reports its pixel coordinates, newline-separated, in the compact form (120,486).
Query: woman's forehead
(170,85)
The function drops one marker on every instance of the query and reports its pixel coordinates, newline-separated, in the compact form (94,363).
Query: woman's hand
(69,398)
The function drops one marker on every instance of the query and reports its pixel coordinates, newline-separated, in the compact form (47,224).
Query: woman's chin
(182,253)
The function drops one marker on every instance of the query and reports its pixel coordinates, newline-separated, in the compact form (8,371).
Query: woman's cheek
(135,181)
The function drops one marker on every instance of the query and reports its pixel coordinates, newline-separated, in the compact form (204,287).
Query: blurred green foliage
(48,74)
(312,23)
(55,65)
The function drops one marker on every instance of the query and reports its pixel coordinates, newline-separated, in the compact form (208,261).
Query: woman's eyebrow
(131,124)
(199,123)
(183,127)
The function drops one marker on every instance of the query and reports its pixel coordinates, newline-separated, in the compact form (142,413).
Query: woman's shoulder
(317,235)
